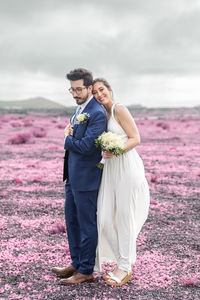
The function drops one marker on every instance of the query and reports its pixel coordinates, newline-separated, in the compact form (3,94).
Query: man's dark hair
(81,73)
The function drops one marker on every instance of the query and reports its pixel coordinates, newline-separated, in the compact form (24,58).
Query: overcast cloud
(149,50)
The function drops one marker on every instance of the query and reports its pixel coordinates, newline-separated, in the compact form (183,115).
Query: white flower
(82,118)
(109,141)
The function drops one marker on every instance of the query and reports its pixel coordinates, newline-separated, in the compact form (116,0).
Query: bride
(123,200)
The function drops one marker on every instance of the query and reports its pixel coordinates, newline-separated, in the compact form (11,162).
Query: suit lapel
(89,106)
(86,109)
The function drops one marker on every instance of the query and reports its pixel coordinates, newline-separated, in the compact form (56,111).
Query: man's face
(80,92)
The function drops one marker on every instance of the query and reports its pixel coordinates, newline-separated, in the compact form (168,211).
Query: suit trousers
(81,223)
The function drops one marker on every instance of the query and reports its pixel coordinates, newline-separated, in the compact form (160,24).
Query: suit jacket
(81,155)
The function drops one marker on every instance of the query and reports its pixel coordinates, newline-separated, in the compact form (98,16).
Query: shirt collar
(82,106)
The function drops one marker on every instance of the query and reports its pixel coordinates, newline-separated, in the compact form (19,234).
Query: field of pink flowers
(32,229)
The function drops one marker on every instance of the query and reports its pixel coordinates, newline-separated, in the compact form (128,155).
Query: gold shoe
(107,276)
(115,281)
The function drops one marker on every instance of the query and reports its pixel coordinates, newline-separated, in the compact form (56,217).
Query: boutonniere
(82,118)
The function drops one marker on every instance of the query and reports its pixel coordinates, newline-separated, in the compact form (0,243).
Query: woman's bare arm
(126,121)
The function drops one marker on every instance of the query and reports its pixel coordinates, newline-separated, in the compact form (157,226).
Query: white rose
(80,118)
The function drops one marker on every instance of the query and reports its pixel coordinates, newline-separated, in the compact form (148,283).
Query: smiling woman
(123,200)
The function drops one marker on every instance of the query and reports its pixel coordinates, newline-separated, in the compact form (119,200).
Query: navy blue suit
(83,180)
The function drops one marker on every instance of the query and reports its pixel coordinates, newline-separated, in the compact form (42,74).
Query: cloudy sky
(149,50)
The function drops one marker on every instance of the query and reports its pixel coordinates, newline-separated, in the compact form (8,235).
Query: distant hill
(31,103)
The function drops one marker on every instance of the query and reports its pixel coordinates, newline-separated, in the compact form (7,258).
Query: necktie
(75,115)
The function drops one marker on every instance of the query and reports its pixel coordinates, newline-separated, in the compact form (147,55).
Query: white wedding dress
(122,205)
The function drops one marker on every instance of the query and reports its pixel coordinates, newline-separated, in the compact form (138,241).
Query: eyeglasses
(77,90)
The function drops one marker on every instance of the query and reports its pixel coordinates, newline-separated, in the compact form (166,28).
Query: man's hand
(68,130)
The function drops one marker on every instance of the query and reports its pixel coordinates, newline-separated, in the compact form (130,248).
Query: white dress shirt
(81,107)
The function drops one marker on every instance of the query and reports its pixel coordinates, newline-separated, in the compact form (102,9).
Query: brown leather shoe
(64,272)
(77,278)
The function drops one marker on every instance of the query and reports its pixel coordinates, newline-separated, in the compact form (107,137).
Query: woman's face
(101,93)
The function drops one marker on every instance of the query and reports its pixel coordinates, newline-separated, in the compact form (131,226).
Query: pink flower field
(32,226)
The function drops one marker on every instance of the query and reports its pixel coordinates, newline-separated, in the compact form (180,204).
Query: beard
(81,100)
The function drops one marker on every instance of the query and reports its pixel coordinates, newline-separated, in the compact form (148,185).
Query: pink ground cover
(32,226)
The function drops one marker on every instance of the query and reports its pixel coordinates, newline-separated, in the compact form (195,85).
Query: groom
(82,178)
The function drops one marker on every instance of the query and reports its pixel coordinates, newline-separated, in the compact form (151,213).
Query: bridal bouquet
(112,142)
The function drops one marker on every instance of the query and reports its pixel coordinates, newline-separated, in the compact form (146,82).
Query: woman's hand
(68,130)
(107,154)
